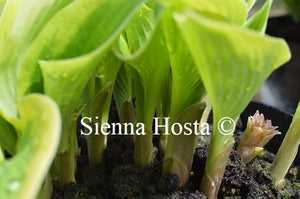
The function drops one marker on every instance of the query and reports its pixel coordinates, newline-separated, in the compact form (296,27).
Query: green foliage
(162,56)
(22,175)
(230,83)
(147,54)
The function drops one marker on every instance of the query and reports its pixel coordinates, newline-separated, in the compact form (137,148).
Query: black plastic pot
(278,118)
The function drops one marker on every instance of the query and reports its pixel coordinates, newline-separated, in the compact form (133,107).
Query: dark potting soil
(118,177)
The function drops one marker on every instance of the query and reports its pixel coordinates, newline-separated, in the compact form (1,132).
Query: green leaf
(187,87)
(8,137)
(97,143)
(20,22)
(106,73)
(259,21)
(123,87)
(65,36)
(233,64)
(75,31)
(147,54)
(72,45)
(23,174)
(234,11)
(180,148)
(2,4)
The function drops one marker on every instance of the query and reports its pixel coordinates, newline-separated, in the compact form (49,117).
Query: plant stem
(181,148)
(286,154)
(47,189)
(214,171)
(163,137)
(99,108)
(65,163)
(219,151)
(143,148)
(127,115)
(65,167)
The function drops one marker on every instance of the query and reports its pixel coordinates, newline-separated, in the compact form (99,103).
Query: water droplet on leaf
(13,186)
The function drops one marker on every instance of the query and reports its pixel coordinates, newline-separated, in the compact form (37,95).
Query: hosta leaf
(187,87)
(234,11)
(258,22)
(233,64)
(59,74)
(77,30)
(106,73)
(123,87)
(146,53)
(22,175)
(2,4)
(20,22)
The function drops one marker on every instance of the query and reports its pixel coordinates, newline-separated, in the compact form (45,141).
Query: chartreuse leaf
(233,64)
(107,72)
(2,4)
(8,137)
(146,53)
(163,110)
(123,93)
(76,30)
(102,84)
(123,88)
(70,48)
(258,22)
(187,89)
(20,22)
(233,11)
(22,175)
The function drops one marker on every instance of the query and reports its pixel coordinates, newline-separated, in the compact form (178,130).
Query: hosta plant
(175,59)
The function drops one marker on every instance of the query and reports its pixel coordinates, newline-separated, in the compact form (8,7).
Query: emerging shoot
(257,134)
